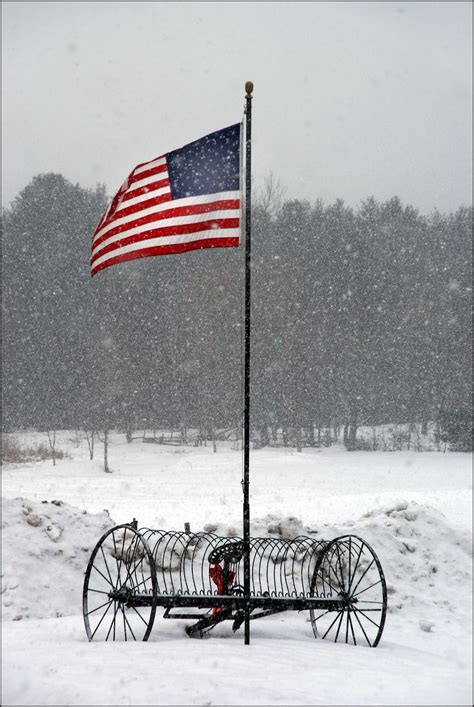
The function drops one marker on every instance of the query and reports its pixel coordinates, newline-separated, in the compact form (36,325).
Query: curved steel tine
(256,565)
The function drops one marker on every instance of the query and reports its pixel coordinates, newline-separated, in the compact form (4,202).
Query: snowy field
(414,509)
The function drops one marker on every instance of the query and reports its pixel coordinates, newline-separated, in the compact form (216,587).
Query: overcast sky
(351,99)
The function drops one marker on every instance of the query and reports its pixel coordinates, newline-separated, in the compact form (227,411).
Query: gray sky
(351,99)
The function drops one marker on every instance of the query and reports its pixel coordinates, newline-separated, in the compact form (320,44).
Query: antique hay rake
(198,577)
(202,577)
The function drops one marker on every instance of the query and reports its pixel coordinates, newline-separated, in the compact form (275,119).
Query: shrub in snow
(15,453)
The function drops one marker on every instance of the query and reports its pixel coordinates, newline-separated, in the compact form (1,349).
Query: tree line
(360,316)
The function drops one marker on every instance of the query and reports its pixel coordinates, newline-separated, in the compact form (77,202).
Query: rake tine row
(134,571)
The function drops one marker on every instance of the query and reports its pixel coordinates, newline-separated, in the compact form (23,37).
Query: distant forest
(360,316)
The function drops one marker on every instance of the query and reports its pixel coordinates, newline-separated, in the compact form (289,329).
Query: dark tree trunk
(106,452)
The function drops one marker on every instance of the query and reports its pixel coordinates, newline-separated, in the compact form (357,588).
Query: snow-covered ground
(414,509)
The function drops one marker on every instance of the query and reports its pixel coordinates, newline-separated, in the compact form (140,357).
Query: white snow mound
(425,561)
(46,547)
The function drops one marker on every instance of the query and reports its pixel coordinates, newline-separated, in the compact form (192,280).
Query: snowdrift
(427,563)
(46,547)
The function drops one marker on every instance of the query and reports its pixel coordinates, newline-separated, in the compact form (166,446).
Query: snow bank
(46,547)
(427,563)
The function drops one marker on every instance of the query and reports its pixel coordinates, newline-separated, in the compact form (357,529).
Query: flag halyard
(185,200)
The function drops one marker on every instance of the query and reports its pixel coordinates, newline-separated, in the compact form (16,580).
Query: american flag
(187,199)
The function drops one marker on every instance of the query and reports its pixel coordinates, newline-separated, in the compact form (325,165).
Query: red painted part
(217,575)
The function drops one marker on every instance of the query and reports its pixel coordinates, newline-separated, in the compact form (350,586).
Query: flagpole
(246,481)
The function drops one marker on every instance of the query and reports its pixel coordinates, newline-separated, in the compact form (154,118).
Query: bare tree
(90,435)
(270,196)
(105,440)
(52,444)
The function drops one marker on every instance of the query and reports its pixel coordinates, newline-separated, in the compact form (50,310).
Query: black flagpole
(246,518)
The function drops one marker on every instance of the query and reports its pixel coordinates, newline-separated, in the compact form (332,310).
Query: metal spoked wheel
(120,568)
(348,568)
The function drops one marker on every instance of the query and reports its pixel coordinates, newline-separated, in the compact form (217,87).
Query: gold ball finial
(248,88)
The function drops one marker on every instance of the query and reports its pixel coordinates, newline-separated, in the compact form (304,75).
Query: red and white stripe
(143,219)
